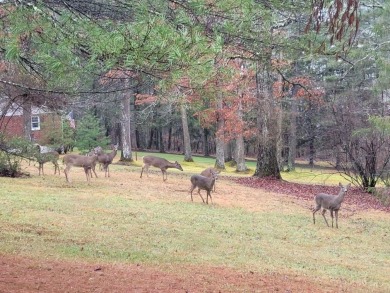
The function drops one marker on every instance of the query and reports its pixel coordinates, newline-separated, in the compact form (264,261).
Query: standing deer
(106,159)
(330,202)
(43,154)
(210,173)
(158,163)
(43,158)
(96,151)
(205,183)
(87,162)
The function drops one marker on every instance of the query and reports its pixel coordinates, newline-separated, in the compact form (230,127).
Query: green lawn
(126,219)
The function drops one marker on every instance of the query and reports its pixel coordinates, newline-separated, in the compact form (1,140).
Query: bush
(12,154)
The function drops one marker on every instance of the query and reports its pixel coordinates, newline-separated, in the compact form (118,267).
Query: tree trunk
(150,144)
(206,150)
(219,137)
(170,137)
(161,140)
(312,137)
(240,147)
(268,132)
(228,151)
(186,135)
(27,119)
(126,154)
(292,137)
(133,134)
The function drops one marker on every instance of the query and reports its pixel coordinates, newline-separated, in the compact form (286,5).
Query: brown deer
(87,162)
(205,183)
(106,159)
(158,163)
(43,158)
(96,151)
(44,154)
(210,173)
(330,202)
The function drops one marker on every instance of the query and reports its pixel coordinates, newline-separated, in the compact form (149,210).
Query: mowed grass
(126,219)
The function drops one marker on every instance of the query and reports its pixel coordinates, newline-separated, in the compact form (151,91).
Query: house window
(35,123)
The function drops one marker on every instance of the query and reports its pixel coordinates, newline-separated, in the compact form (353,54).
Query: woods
(272,80)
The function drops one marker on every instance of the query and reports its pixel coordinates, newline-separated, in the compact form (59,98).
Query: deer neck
(340,196)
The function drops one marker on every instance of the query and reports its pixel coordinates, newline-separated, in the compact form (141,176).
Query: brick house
(34,124)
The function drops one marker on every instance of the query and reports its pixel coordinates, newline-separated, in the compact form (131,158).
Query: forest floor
(28,275)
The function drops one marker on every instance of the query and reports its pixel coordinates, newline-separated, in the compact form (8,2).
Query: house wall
(13,126)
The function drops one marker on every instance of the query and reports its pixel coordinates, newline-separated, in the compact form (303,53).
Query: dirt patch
(30,275)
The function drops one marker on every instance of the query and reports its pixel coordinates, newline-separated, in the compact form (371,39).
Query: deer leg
(93,169)
(337,218)
(200,194)
(191,190)
(164,173)
(142,170)
(56,167)
(209,194)
(316,209)
(87,172)
(66,170)
(323,214)
(331,214)
(146,168)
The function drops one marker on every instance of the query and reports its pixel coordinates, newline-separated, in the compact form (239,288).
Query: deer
(330,202)
(158,163)
(96,151)
(87,162)
(205,183)
(42,155)
(106,159)
(210,172)
(43,158)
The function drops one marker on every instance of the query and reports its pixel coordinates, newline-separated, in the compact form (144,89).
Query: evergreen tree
(90,133)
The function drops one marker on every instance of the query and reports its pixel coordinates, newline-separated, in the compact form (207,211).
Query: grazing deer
(158,163)
(87,162)
(210,173)
(330,202)
(43,158)
(205,183)
(106,159)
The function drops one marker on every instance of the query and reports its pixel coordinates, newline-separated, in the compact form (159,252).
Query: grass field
(128,220)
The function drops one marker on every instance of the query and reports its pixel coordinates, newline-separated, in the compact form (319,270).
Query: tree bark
(126,154)
(240,147)
(268,132)
(186,135)
(206,150)
(292,137)
(133,134)
(161,145)
(219,137)
(170,137)
(27,119)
